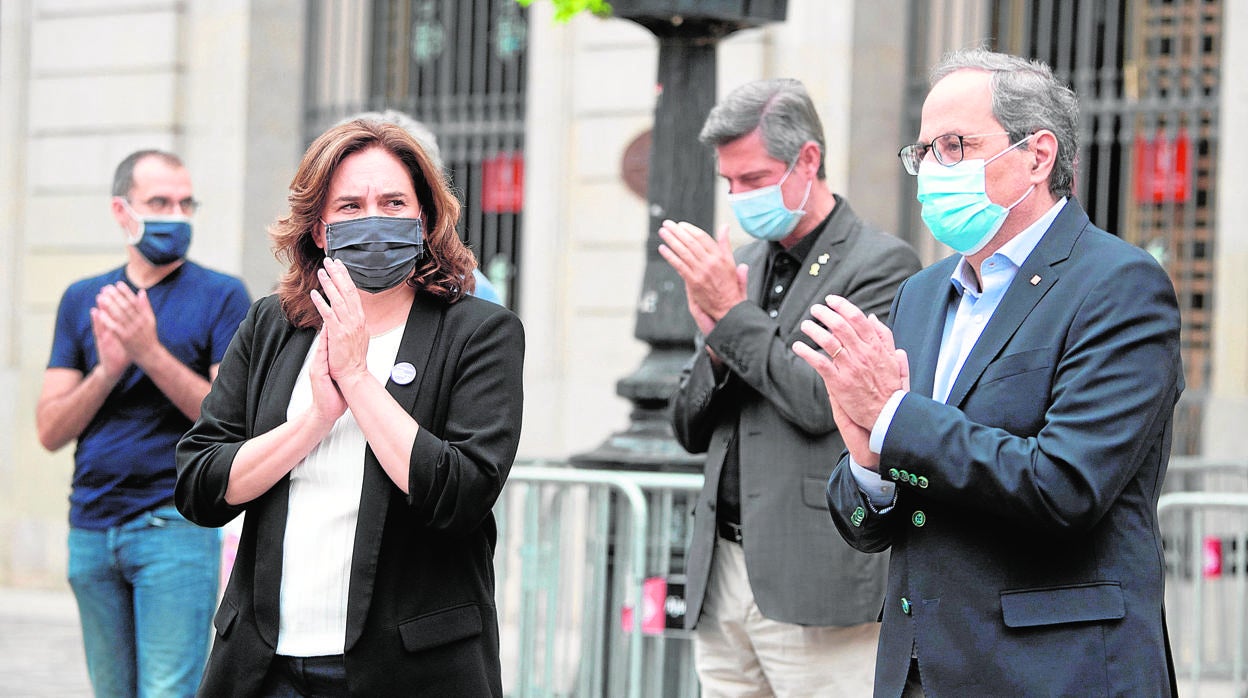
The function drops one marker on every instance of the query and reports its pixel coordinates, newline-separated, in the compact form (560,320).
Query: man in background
(134,352)
(779,604)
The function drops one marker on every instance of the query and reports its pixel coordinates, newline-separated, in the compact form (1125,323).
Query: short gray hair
(780,108)
(1026,97)
(424,137)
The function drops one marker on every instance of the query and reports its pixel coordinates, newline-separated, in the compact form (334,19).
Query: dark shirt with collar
(782,268)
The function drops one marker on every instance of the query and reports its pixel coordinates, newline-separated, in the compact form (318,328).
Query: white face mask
(956,207)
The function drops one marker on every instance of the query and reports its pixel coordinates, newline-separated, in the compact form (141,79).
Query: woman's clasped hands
(342,346)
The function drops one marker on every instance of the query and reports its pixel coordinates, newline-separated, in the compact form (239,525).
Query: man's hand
(125,319)
(113,359)
(856,436)
(860,368)
(703,320)
(714,283)
(128,316)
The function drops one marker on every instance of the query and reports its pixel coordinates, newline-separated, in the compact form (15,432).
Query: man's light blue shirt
(964,323)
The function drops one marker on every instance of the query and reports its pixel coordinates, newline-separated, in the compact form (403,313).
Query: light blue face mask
(956,207)
(762,213)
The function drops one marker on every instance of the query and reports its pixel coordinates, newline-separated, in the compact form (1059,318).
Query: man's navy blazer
(1026,557)
(420,611)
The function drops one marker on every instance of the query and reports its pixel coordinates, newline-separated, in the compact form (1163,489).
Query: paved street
(41,645)
(41,649)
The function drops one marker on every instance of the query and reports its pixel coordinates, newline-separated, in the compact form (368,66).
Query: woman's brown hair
(445,269)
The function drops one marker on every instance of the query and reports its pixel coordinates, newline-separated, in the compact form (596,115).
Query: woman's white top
(320,521)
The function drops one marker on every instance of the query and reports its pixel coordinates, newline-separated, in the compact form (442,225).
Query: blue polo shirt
(123,463)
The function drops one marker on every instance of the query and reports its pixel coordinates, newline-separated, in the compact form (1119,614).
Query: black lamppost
(681,183)
(681,186)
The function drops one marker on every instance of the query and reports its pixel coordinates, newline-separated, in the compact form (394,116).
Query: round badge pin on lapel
(403,373)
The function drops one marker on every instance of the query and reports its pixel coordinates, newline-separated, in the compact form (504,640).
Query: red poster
(653,599)
(502,183)
(1213,557)
(1161,168)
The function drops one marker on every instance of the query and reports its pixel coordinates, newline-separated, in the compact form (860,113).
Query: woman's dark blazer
(420,612)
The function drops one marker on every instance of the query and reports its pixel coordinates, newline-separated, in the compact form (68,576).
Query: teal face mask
(762,213)
(956,207)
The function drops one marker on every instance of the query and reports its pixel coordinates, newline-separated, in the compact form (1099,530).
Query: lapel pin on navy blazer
(1008,434)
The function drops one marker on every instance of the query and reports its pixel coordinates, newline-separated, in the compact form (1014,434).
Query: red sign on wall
(502,183)
(1161,168)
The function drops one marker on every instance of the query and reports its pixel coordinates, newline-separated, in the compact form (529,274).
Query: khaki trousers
(739,653)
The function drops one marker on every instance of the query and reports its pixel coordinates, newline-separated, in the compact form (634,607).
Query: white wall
(14,68)
(1227,409)
(591,90)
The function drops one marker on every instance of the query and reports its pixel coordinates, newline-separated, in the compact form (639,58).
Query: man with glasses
(133,354)
(1008,437)
(779,604)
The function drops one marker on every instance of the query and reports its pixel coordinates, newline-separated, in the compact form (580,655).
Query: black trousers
(914,687)
(302,677)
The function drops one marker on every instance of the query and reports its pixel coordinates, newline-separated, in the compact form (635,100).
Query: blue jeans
(146,592)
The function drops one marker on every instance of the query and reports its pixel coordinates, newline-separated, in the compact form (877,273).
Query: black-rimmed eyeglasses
(948,150)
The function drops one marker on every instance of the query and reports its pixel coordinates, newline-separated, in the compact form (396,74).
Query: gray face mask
(380,252)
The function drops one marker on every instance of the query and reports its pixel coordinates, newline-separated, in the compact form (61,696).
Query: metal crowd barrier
(590,565)
(1197,474)
(588,589)
(1204,524)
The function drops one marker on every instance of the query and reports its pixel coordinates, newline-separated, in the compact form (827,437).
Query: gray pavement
(41,645)
(41,649)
